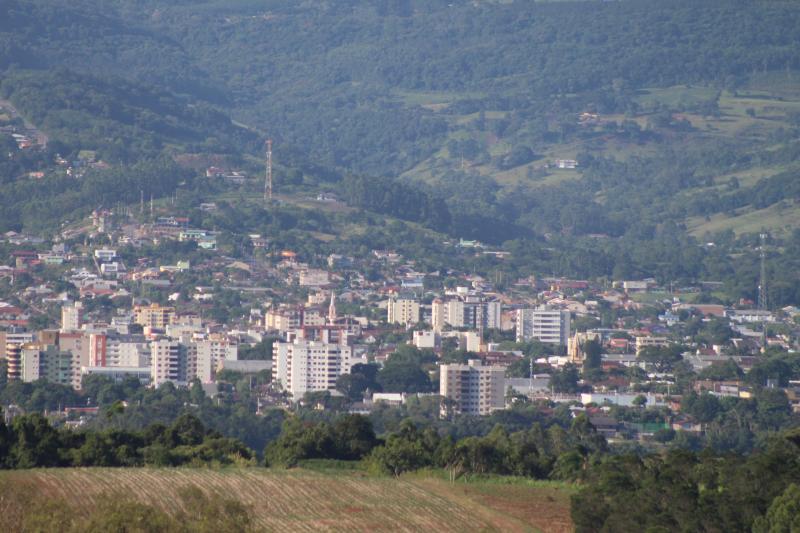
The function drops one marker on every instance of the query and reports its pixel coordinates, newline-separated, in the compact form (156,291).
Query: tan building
(153,316)
(644,341)
(402,311)
(472,389)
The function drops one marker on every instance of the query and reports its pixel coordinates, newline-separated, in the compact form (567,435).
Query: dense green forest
(683,118)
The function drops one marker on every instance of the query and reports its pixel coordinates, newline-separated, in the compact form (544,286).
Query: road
(41,137)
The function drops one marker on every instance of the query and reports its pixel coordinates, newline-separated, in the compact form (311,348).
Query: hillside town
(323,333)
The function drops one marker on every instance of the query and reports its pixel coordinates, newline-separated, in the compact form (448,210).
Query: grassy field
(782,217)
(305,500)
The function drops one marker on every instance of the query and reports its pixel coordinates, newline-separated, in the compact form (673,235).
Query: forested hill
(682,118)
(350,61)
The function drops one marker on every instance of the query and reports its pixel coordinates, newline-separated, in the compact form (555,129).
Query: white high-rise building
(118,351)
(473,388)
(403,311)
(301,366)
(171,361)
(454,313)
(209,354)
(494,315)
(546,325)
(469,312)
(71,317)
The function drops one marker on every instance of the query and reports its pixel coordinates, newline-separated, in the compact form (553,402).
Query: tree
(593,352)
(704,407)
(565,380)
(354,436)
(37,442)
(773,408)
(352,386)
(403,377)
(662,358)
(783,515)
(362,377)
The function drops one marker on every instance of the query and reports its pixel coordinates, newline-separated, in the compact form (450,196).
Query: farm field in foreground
(304,500)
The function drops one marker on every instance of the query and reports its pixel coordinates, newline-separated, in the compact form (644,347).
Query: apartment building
(171,361)
(470,311)
(77,343)
(644,341)
(71,317)
(473,388)
(46,361)
(301,365)
(283,319)
(153,316)
(13,361)
(546,325)
(117,351)
(209,354)
(402,311)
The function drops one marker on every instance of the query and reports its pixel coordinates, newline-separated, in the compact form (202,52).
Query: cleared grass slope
(303,500)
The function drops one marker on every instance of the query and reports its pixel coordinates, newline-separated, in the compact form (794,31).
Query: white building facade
(546,325)
(301,366)
(473,388)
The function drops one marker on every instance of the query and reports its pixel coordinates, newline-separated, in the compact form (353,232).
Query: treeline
(30,441)
(686,491)
(552,453)
(231,413)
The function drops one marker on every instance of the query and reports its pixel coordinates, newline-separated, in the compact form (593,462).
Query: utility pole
(268,177)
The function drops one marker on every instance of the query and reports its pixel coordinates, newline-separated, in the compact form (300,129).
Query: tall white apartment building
(494,315)
(118,351)
(402,311)
(301,366)
(209,353)
(469,312)
(546,325)
(473,388)
(71,317)
(171,361)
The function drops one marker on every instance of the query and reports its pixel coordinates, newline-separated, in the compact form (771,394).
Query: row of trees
(30,441)
(533,452)
(686,491)
(231,413)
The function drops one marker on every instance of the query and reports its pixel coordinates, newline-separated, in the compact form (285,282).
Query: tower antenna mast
(762,289)
(268,177)
(762,284)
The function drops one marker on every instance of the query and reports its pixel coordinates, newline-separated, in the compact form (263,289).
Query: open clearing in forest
(304,500)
